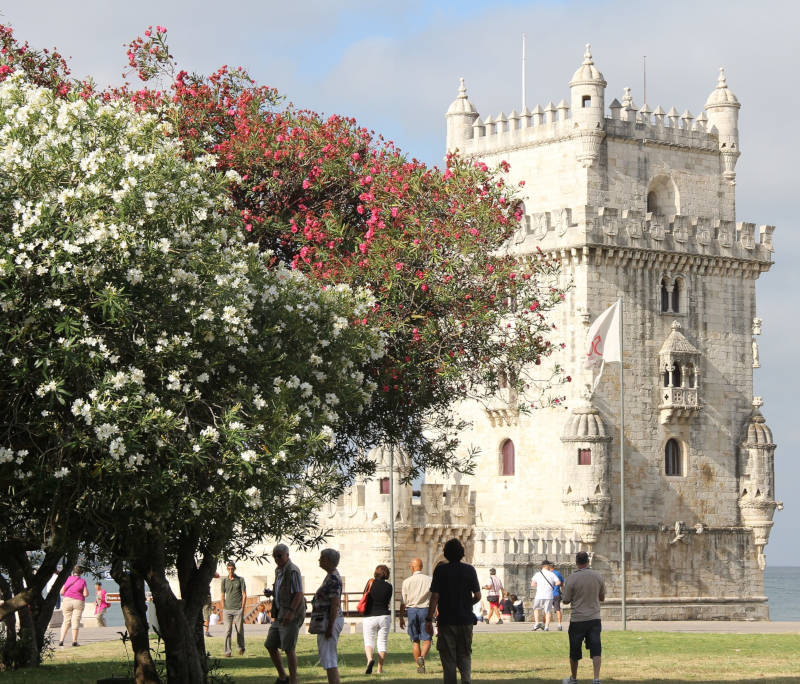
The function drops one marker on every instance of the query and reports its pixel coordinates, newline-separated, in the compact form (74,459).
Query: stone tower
(638,204)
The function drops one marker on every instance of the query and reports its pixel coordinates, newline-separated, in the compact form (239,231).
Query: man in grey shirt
(584,590)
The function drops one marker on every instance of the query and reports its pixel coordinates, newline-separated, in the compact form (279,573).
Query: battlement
(553,123)
(435,504)
(578,227)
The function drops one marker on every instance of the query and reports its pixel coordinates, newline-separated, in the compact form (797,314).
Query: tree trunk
(184,660)
(9,618)
(16,559)
(194,581)
(134,610)
(17,602)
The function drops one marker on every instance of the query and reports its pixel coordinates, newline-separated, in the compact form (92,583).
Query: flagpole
(391,528)
(622,461)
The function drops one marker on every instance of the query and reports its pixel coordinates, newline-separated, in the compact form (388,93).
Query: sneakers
(499,622)
(75,643)
(420,665)
(569,680)
(538,625)
(546,629)
(61,644)
(595,681)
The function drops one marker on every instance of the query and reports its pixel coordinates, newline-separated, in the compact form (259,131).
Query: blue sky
(395,67)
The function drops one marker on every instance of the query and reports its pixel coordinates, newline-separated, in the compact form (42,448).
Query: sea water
(781,585)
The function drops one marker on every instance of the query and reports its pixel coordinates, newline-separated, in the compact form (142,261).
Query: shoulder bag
(362,604)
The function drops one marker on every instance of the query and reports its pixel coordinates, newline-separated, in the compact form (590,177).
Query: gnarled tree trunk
(134,610)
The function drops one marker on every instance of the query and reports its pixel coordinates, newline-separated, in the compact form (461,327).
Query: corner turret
(757,480)
(722,108)
(588,93)
(460,116)
(585,467)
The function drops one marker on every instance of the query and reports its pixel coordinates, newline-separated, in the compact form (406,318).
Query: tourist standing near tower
(545,583)
(416,595)
(557,595)
(494,594)
(454,590)
(584,589)
(234,596)
(288,613)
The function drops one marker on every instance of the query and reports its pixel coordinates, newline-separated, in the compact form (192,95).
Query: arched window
(676,295)
(666,377)
(664,295)
(690,377)
(672,458)
(584,457)
(507,456)
(662,197)
(676,375)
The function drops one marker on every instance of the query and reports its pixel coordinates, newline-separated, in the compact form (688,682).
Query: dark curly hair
(453,550)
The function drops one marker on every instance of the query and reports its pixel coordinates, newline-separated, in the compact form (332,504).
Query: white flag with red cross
(603,342)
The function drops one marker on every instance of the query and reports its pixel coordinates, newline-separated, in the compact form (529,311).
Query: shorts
(416,624)
(543,604)
(556,603)
(282,636)
(327,647)
(206,611)
(586,631)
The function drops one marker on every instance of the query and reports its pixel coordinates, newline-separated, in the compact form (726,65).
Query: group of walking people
(445,599)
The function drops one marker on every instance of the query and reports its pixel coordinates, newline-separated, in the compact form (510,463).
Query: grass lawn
(522,657)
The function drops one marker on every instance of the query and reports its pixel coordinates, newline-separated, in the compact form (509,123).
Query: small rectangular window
(586,101)
(584,457)
(384,485)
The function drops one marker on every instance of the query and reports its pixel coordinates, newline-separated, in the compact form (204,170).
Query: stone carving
(539,222)
(756,360)
(757,326)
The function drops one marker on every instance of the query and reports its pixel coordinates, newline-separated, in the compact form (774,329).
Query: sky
(395,67)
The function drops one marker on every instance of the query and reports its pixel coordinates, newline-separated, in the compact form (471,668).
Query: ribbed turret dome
(722,95)
(584,425)
(461,105)
(587,72)
(758,432)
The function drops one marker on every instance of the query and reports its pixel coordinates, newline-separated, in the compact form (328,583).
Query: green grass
(653,657)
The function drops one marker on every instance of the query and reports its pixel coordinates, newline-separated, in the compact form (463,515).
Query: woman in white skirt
(377,618)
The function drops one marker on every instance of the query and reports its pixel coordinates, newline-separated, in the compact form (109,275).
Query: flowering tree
(461,315)
(168,395)
(181,355)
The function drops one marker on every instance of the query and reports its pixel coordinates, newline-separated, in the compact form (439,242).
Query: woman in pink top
(74,593)
(100,604)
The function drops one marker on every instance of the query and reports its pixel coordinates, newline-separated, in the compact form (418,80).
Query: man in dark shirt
(454,590)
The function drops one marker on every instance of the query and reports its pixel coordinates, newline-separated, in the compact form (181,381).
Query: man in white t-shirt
(544,582)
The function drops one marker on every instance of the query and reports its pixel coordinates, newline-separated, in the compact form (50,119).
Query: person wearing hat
(544,582)
(234,595)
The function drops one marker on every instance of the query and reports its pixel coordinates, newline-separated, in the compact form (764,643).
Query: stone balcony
(678,404)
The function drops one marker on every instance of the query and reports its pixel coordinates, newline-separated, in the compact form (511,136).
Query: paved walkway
(89,635)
